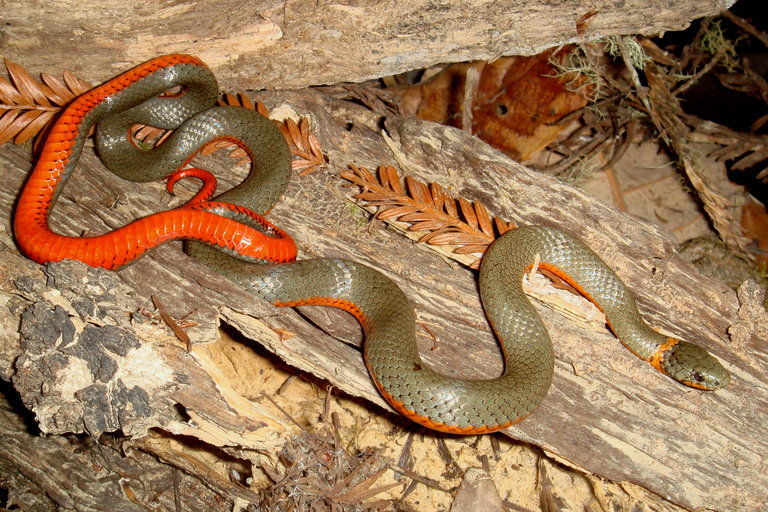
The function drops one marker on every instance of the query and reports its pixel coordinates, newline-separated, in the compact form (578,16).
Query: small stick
(170,322)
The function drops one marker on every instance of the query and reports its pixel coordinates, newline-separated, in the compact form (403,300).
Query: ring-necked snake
(177,92)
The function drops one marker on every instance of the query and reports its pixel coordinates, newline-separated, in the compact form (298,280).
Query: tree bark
(48,473)
(278,45)
(607,411)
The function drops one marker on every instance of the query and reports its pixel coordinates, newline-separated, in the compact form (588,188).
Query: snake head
(694,367)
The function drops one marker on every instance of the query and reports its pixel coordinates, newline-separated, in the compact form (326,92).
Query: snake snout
(695,367)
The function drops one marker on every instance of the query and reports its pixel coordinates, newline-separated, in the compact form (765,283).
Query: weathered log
(607,411)
(68,473)
(276,45)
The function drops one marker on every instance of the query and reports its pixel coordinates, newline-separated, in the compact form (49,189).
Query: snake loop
(241,245)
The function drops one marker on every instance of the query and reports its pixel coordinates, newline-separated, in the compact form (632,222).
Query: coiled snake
(244,247)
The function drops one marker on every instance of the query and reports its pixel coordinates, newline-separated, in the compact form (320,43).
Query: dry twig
(316,471)
(656,96)
(743,149)
(172,324)
(665,112)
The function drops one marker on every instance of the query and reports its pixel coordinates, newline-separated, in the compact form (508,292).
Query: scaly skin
(243,247)
(134,93)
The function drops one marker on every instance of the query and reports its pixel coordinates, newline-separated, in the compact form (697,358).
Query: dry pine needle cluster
(27,105)
(446,221)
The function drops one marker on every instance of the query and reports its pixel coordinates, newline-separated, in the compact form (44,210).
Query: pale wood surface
(607,411)
(277,45)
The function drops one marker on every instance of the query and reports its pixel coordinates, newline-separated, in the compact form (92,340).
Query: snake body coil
(245,248)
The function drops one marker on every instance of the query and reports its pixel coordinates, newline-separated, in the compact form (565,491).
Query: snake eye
(698,377)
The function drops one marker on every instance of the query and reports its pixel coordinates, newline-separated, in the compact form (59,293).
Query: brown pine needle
(27,106)
(468,229)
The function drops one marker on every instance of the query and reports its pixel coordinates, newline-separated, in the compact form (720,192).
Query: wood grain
(280,45)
